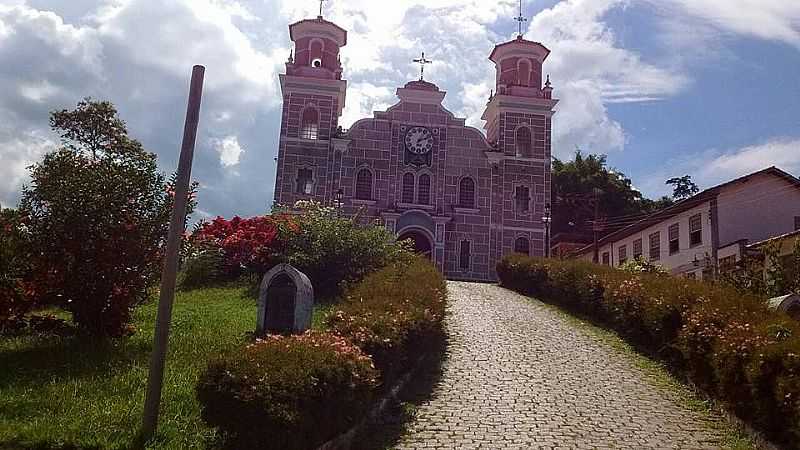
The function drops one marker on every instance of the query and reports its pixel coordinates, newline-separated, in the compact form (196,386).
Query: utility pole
(596,223)
(177,226)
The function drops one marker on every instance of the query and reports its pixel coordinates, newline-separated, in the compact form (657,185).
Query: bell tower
(313,99)
(518,127)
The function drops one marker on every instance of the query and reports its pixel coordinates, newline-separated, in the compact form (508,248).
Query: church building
(464,197)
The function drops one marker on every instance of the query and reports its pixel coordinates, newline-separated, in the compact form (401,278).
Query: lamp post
(546,220)
(338,201)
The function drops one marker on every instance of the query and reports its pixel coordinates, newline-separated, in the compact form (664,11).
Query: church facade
(464,197)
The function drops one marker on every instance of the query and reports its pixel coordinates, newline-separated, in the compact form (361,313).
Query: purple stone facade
(465,198)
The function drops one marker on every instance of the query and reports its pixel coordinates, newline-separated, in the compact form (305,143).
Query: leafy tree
(14,300)
(683,187)
(573,190)
(98,215)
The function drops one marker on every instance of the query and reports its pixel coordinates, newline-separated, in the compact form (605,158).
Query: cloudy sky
(663,87)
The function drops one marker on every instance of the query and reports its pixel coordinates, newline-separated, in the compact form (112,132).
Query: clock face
(419,140)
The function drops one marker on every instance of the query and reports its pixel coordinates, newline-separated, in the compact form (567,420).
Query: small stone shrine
(285,301)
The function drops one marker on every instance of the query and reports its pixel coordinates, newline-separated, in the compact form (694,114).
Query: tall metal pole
(596,224)
(168,275)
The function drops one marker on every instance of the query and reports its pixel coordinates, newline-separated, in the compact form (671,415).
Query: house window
(637,249)
(464,255)
(364,184)
(424,189)
(655,246)
(309,124)
(691,275)
(623,254)
(606,259)
(524,142)
(674,238)
(522,245)
(408,188)
(305,182)
(695,230)
(796,223)
(522,199)
(466,193)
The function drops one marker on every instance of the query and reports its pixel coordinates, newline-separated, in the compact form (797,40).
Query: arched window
(466,193)
(364,184)
(524,73)
(522,245)
(309,124)
(522,199)
(465,255)
(315,50)
(408,188)
(424,189)
(305,181)
(524,142)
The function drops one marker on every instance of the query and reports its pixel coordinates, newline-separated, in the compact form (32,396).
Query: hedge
(297,392)
(728,344)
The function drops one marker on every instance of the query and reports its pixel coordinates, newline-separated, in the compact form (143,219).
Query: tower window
(524,142)
(408,188)
(364,185)
(466,193)
(522,245)
(465,254)
(309,124)
(316,49)
(522,199)
(424,189)
(305,181)
(524,73)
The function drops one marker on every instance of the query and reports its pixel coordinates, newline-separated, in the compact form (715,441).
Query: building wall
(680,262)
(762,207)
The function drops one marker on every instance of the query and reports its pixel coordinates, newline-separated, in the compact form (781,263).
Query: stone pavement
(519,375)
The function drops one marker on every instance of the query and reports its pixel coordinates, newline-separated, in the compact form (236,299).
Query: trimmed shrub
(393,314)
(727,343)
(287,392)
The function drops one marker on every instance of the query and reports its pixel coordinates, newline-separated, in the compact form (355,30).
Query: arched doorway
(420,241)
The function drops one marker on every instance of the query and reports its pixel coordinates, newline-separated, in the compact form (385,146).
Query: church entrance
(420,242)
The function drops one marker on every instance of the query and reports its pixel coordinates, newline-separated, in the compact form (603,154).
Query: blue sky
(709,88)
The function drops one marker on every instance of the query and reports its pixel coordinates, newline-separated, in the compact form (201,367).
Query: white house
(693,236)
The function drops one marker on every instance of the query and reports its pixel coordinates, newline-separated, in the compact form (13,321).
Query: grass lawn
(56,391)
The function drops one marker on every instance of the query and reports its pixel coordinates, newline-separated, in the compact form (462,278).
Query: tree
(683,187)
(98,214)
(573,186)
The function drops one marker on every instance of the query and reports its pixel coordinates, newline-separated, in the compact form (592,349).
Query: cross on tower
(422,61)
(321,3)
(521,19)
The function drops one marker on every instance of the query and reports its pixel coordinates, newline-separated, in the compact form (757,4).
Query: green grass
(56,391)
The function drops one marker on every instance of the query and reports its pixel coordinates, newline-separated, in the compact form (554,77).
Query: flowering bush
(393,314)
(15,294)
(293,392)
(727,343)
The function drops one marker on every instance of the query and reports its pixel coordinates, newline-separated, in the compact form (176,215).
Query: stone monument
(285,301)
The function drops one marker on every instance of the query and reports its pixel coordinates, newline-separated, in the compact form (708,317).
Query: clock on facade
(419,140)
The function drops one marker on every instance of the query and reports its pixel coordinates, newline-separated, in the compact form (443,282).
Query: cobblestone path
(518,374)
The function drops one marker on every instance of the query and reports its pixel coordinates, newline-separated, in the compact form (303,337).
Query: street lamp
(546,220)
(338,200)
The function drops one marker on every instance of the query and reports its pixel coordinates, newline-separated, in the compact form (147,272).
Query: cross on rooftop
(422,61)
(521,19)
(321,3)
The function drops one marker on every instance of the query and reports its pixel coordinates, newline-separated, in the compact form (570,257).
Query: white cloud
(19,152)
(782,152)
(230,152)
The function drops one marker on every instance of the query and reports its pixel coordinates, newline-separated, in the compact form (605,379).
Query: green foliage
(15,302)
(574,183)
(767,273)
(288,392)
(98,213)
(335,251)
(394,314)
(640,265)
(727,343)
(682,187)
